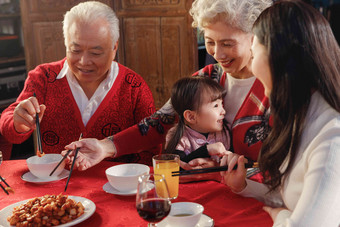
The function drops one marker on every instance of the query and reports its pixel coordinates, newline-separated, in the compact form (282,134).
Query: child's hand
(217,149)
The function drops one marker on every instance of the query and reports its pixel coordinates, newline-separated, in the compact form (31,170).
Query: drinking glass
(152,199)
(165,164)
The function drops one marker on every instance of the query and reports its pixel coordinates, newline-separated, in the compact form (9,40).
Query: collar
(199,137)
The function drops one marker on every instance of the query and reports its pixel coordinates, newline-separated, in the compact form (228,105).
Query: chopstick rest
(250,164)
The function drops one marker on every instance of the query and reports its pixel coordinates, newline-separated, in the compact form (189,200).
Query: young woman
(296,57)
(226,26)
(198,101)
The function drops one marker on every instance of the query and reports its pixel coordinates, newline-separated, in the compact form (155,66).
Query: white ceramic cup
(41,167)
(184,214)
(124,177)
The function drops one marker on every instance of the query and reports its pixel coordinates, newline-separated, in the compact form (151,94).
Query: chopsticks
(67,153)
(250,164)
(3,188)
(55,168)
(40,151)
(74,160)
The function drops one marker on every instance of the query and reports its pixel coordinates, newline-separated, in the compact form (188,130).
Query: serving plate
(89,206)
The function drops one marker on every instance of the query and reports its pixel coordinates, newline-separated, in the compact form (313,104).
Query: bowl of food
(184,214)
(124,177)
(41,167)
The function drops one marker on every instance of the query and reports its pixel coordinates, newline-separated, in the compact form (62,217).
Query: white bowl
(184,214)
(124,177)
(41,167)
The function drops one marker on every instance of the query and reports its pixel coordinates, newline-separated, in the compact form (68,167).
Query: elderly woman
(296,57)
(226,26)
(87,92)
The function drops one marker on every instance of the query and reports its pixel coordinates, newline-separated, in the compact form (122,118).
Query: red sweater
(127,103)
(249,129)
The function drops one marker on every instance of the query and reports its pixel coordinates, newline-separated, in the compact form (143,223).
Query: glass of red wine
(152,199)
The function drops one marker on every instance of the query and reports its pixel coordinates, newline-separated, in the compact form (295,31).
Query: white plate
(90,208)
(205,221)
(29,177)
(109,189)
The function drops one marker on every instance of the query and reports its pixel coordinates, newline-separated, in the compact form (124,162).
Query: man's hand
(24,114)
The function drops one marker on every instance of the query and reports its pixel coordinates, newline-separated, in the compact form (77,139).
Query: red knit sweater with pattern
(249,128)
(128,101)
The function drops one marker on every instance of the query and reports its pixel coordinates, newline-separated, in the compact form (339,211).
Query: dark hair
(187,94)
(303,57)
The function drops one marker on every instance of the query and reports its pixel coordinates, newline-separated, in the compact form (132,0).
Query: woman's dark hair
(187,94)
(303,57)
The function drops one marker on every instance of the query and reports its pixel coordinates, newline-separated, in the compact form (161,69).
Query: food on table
(9,189)
(48,210)
(40,154)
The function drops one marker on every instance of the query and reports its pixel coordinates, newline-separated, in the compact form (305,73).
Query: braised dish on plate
(48,210)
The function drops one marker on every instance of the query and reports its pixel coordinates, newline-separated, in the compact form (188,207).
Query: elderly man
(87,92)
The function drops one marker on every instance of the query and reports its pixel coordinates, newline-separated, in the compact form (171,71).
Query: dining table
(220,203)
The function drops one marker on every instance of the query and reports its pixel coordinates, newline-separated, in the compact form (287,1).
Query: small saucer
(205,221)
(29,177)
(109,189)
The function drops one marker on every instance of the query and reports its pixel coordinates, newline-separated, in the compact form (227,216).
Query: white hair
(89,12)
(240,14)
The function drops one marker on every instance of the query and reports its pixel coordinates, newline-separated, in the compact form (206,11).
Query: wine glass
(152,199)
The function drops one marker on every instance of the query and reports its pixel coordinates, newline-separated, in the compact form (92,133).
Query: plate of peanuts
(48,210)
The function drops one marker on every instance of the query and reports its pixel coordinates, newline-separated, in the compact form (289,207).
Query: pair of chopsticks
(40,151)
(74,160)
(250,164)
(8,188)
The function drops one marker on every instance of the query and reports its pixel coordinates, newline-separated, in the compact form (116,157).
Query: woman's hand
(234,179)
(91,152)
(24,114)
(273,212)
(199,163)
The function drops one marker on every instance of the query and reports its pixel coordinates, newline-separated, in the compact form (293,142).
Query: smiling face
(260,65)
(209,117)
(90,51)
(230,47)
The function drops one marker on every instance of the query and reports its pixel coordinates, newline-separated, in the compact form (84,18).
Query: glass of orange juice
(165,164)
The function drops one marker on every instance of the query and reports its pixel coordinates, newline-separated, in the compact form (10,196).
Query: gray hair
(240,14)
(88,12)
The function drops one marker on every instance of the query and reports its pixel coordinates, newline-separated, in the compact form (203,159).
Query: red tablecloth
(226,208)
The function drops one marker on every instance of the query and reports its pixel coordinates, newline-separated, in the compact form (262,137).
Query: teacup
(184,214)
(124,177)
(41,167)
